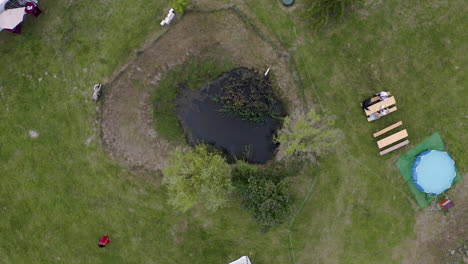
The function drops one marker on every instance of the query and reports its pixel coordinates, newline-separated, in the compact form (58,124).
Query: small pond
(204,121)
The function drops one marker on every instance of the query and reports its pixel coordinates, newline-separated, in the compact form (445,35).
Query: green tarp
(405,164)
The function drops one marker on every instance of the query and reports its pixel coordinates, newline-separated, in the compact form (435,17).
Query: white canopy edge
(2,5)
(242,260)
(11,18)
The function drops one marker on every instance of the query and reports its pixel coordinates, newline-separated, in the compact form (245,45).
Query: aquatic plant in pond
(223,124)
(248,95)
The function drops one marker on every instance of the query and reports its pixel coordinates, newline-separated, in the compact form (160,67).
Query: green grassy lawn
(359,212)
(59,195)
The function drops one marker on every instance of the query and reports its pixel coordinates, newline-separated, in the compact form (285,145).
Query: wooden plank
(392,138)
(378,106)
(373,100)
(391,110)
(395,147)
(385,130)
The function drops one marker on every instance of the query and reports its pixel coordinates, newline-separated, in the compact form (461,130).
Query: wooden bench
(392,138)
(378,106)
(391,110)
(395,147)
(385,130)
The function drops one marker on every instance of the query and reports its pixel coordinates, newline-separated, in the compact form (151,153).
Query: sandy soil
(127,121)
(440,232)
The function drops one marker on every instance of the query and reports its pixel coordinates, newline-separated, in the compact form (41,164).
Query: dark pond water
(239,139)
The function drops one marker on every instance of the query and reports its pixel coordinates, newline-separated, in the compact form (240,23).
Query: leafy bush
(197,176)
(180,5)
(264,191)
(306,136)
(248,95)
(323,12)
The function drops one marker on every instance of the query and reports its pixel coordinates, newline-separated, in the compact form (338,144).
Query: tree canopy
(181,5)
(264,191)
(307,135)
(197,176)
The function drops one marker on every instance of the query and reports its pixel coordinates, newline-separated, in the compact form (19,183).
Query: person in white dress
(383,95)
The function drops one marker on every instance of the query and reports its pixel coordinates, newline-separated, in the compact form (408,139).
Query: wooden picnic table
(378,106)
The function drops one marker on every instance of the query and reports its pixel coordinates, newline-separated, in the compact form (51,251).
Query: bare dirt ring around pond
(127,121)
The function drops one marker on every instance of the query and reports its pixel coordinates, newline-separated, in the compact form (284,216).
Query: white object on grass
(97,92)
(33,134)
(168,18)
(267,71)
(242,260)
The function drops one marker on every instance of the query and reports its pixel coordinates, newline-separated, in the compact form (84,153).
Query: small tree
(180,5)
(306,136)
(265,191)
(197,176)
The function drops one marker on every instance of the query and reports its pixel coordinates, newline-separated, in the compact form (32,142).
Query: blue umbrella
(434,171)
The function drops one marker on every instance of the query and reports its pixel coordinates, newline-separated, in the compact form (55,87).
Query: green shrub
(322,12)
(197,176)
(306,136)
(265,191)
(180,5)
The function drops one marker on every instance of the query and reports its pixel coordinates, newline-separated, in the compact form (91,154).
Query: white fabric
(242,260)
(169,17)
(10,18)
(383,95)
(2,5)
